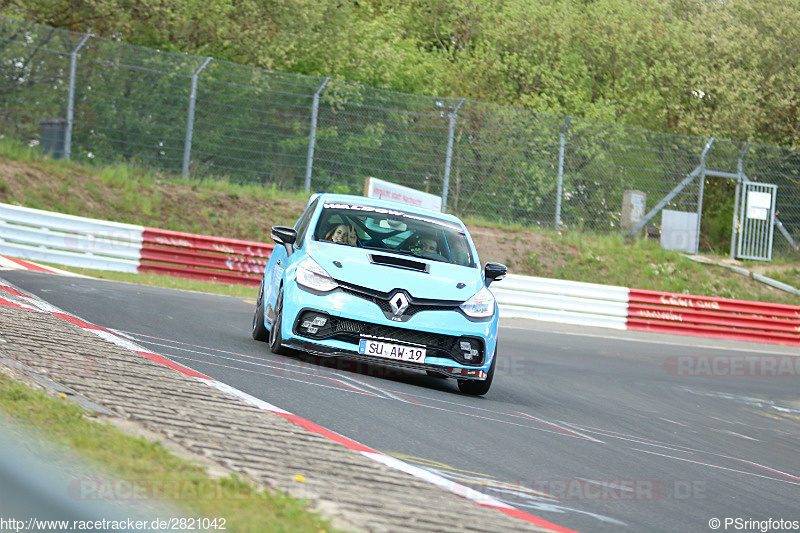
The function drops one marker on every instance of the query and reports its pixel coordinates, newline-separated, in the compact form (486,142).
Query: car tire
(275,339)
(479,388)
(260,333)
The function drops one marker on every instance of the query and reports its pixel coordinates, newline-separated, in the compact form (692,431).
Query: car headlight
(481,305)
(310,274)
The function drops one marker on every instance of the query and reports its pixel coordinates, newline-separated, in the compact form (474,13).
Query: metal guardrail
(566,302)
(69,240)
(713,317)
(202,257)
(97,244)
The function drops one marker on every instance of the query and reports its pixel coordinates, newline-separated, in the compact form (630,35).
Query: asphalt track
(595,430)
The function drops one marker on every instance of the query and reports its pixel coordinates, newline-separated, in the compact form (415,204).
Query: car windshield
(393,230)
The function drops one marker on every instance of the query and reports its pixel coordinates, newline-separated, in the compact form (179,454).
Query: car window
(393,231)
(302,223)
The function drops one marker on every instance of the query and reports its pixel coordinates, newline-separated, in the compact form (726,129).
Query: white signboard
(758,205)
(385,190)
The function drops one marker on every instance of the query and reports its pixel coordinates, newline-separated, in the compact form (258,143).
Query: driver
(428,245)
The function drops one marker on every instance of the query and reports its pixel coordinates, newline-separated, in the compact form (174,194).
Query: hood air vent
(398,262)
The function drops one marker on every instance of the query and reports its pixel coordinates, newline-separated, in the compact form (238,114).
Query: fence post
(739,181)
(700,193)
(449,156)
(187,144)
(73,65)
(560,187)
(312,136)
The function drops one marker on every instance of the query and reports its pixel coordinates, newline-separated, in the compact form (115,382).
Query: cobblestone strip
(355,492)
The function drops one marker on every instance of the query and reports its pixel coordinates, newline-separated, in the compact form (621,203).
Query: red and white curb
(12,297)
(10,263)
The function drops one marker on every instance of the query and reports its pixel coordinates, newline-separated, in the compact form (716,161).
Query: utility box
(54,137)
(634,204)
(679,231)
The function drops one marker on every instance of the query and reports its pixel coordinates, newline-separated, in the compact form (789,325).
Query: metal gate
(756,211)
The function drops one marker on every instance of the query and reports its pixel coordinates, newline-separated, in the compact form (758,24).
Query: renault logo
(398,303)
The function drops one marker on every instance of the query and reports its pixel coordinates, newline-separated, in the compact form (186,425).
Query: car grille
(351,331)
(381,299)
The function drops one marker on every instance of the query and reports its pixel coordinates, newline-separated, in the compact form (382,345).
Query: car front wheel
(479,388)
(260,333)
(275,339)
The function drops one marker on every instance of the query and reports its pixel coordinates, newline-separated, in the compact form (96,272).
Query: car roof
(386,204)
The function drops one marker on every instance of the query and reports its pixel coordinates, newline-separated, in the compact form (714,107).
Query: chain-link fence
(207,118)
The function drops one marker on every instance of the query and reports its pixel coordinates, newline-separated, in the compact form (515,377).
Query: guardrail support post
(312,136)
(73,66)
(449,157)
(559,190)
(187,144)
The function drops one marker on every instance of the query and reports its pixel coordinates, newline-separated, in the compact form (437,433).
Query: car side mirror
(285,236)
(494,272)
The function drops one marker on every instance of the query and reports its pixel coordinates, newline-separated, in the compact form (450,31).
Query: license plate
(389,350)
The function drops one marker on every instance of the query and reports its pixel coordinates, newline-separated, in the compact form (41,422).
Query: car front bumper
(352,317)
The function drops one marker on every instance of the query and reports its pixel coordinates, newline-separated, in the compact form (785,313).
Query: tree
(751,81)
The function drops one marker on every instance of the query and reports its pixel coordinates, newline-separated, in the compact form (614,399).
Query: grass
(790,276)
(612,260)
(119,456)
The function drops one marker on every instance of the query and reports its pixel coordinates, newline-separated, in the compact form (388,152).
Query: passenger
(342,234)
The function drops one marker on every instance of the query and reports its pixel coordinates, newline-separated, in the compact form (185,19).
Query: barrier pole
(449,157)
(559,191)
(73,66)
(187,144)
(312,136)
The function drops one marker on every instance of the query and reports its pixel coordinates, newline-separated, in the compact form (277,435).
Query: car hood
(439,283)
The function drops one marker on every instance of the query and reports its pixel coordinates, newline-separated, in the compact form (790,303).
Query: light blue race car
(384,283)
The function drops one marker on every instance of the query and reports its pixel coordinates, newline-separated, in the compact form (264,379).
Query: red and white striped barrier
(202,257)
(589,304)
(713,317)
(35,235)
(74,241)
